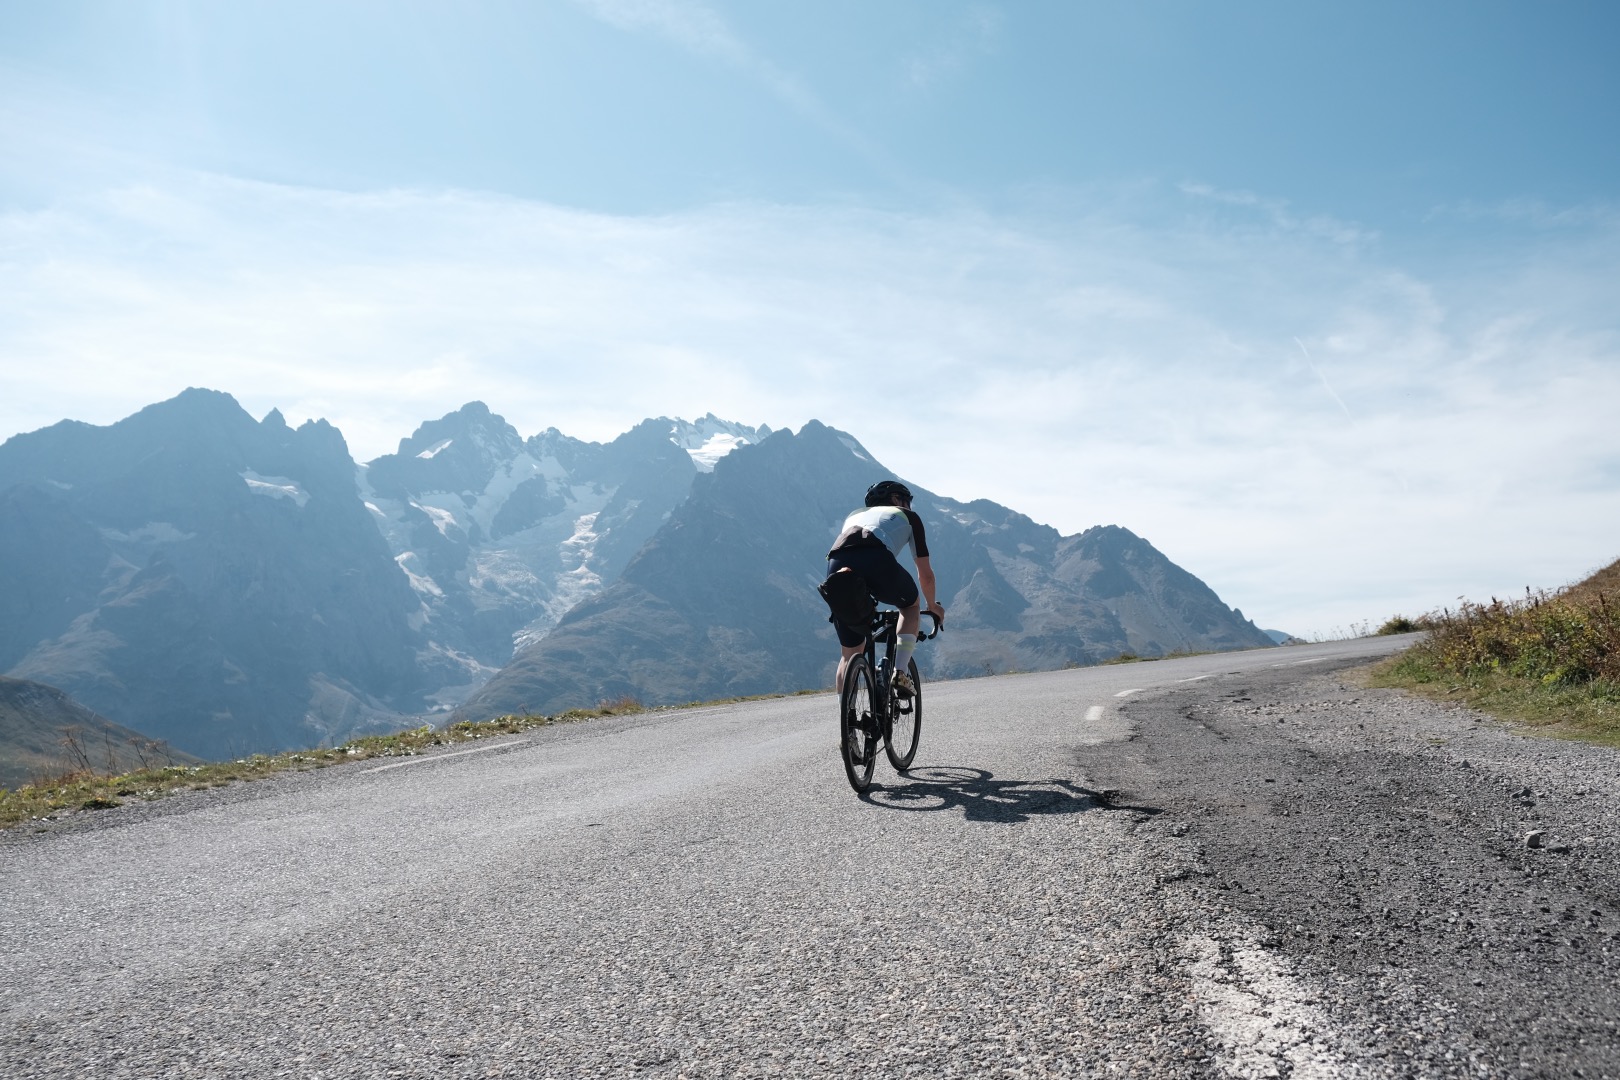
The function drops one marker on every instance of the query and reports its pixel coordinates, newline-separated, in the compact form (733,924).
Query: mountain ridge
(233,585)
(696,614)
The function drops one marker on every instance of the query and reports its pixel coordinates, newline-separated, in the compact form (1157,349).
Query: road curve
(698,893)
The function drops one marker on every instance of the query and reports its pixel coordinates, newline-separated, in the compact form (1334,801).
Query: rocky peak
(461,452)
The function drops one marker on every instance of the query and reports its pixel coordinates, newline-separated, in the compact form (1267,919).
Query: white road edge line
(1312,660)
(1264,1015)
(1094,714)
(440,757)
(1195,678)
(1128,693)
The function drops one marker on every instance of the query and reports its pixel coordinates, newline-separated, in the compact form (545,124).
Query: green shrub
(1552,639)
(1549,660)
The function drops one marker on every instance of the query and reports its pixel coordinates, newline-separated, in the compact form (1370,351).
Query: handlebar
(883,618)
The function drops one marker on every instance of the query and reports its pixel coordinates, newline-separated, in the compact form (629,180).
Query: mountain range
(232,585)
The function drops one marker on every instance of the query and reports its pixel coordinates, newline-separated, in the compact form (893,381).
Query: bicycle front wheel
(905,723)
(858,724)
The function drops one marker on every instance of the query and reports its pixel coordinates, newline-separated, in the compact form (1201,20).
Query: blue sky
(1318,298)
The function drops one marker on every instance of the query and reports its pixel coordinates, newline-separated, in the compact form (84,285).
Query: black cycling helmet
(884,492)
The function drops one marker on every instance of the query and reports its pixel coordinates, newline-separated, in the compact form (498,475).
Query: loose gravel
(1447,892)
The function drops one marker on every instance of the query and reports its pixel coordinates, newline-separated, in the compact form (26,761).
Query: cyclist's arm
(925,581)
(925,570)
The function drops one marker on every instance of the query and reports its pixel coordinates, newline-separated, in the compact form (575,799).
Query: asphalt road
(1234,865)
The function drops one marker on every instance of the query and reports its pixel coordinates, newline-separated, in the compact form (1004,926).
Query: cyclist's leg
(911,618)
(850,640)
(905,647)
(892,584)
(848,653)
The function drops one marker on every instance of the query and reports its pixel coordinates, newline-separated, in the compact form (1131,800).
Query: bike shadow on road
(982,797)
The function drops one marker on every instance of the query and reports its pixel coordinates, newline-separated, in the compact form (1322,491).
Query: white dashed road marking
(440,757)
(1128,693)
(1094,714)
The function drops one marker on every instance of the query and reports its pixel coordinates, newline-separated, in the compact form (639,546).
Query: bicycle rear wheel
(905,723)
(858,724)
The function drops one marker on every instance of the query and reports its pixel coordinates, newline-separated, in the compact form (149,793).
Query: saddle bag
(849,599)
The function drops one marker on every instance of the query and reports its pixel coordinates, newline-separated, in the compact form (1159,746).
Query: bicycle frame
(885,628)
(870,712)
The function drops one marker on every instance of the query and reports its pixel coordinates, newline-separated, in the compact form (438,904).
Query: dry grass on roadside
(76,788)
(1550,660)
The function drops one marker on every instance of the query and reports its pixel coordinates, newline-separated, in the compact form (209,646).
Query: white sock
(902,653)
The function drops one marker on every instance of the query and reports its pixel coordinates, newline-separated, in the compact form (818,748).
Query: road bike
(869,709)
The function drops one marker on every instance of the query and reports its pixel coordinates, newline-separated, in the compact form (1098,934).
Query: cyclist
(869,545)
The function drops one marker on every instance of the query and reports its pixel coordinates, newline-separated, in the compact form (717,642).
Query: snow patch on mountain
(716,448)
(443,518)
(275,487)
(409,563)
(710,438)
(580,544)
(388,514)
(552,469)
(433,451)
(517,471)
(575,581)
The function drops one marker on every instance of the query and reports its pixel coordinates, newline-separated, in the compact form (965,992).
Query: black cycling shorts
(888,580)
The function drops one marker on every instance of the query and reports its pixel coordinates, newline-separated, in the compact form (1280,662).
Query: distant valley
(232,585)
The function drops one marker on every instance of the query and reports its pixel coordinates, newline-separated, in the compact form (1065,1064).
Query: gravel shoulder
(1377,884)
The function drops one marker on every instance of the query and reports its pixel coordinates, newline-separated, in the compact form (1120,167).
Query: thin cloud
(1281,215)
(694,26)
(1536,213)
(701,30)
(1325,384)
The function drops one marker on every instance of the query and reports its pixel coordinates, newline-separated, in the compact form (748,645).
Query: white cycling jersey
(895,527)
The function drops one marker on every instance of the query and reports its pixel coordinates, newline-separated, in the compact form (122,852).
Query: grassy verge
(81,789)
(1550,662)
(1575,712)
